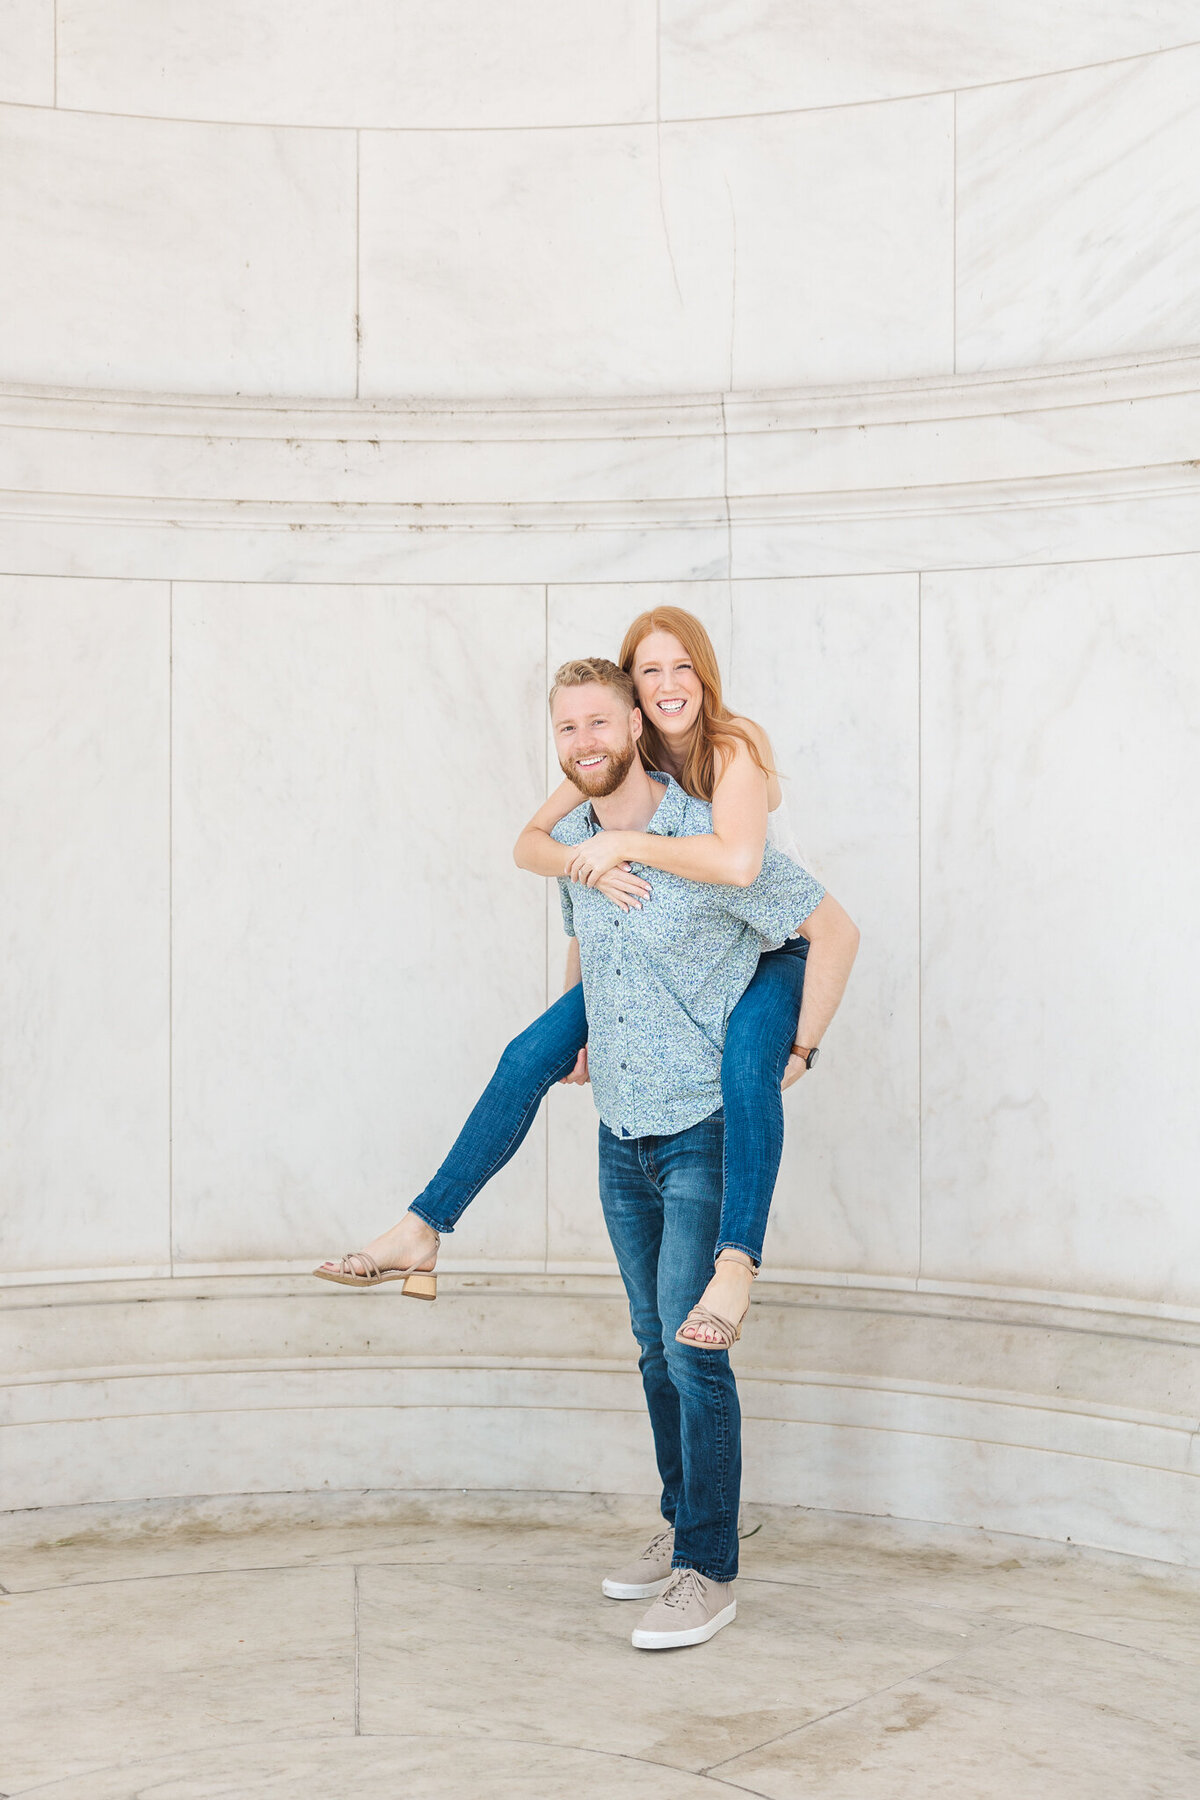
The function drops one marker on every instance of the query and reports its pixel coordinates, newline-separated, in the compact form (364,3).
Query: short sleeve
(568,906)
(779,901)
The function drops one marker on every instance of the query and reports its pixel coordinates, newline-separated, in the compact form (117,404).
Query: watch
(810,1056)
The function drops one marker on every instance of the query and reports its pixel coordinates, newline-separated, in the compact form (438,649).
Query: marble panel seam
(634,118)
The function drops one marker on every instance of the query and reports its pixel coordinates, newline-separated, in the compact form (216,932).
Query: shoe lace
(685,1586)
(656,1543)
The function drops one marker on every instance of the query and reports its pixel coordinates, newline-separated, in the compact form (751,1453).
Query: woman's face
(668,687)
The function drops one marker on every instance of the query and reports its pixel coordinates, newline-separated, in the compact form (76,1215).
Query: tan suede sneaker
(690,1610)
(648,1575)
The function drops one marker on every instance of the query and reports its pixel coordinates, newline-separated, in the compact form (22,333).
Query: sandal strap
(752,1266)
(371,1270)
(702,1315)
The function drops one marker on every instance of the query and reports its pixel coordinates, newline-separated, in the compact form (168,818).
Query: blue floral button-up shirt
(660,984)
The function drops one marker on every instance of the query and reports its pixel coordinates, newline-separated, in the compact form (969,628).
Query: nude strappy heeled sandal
(727,1333)
(419,1284)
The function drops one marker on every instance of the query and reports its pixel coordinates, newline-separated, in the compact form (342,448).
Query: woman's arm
(730,854)
(541,854)
(535,849)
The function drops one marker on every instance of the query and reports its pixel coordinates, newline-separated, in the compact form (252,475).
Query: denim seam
(719,1396)
(717,1409)
(534,1099)
(729,1552)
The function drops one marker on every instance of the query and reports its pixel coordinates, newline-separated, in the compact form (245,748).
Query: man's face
(595,738)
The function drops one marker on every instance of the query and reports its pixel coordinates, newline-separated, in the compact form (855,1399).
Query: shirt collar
(668,814)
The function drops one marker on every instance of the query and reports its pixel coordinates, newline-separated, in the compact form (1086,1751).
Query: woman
(691,735)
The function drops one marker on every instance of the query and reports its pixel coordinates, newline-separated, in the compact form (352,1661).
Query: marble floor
(458,1645)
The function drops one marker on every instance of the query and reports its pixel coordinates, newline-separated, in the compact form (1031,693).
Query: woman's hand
(624,888)
(579,1074)
(594,858)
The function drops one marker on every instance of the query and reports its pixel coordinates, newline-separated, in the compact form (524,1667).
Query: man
(659,985)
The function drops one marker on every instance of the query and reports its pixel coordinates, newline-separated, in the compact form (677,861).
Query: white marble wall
(85,821)
(1061,989)
(352,945)
(529,200)
(274,675)
(296,989)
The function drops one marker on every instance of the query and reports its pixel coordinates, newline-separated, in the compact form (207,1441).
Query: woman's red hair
(717,732)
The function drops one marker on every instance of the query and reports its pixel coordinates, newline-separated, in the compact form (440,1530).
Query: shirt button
(620,1018)
(622,1065)
(618,971)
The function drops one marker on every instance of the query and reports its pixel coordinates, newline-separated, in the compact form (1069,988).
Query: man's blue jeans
(662,1206)
(757,1042)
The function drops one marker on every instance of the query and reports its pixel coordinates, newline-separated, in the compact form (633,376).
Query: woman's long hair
(717,732)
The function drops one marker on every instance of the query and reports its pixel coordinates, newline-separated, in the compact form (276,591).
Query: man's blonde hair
(584,669)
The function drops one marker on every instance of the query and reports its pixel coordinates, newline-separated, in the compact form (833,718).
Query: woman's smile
(668,687)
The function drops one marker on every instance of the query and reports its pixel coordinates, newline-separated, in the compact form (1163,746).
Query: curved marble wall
(251,977)
(518,199)
(865,339)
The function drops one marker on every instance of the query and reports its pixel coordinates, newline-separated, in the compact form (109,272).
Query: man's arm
(785,899)
(832,946)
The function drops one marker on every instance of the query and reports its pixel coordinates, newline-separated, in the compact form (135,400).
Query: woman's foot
(410,1244)
(727,1295)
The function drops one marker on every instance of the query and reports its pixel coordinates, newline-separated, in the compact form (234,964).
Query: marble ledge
(453,518)
(1129,376)
(332,476)
(598,1383)
(433,482)
(1052,1306)
(846,1466)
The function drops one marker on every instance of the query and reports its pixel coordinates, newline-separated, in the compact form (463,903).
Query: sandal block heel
(420,1287)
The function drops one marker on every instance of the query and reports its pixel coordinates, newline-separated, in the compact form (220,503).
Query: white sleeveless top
(781,835)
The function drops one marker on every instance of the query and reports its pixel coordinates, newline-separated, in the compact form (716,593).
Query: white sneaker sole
(675,1640)
(624,1590)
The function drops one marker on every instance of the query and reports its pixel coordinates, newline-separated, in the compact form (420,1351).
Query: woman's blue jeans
(758,1039)
(662,1203)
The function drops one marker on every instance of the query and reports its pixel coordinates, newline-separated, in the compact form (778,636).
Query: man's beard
(606,777)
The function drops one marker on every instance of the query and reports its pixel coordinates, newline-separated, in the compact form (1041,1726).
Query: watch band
(810,1056)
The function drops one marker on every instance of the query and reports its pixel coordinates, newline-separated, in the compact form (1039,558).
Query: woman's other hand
(623,888)
(579,1074)
(588,861)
